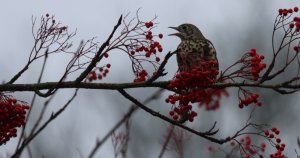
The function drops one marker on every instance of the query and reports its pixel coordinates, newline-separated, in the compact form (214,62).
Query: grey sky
(234,26)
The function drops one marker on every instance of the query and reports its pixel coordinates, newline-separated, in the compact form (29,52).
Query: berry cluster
(55,28)
(249,147)
(149,24)
(190,88)
(246,148)
(285,12)
(12,115)
(249,99)
(144,46)
(273,134)
(98,75)
(149,50)
(250,150)
(252,65)
(141,76)
(202,75)
(182,110)
(295,22)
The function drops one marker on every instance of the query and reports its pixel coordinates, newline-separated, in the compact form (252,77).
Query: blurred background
(234,26)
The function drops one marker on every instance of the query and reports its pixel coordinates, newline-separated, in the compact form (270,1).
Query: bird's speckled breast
(190,52)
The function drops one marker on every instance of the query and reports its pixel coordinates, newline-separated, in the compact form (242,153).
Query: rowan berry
(148,54)
(106,55)
(157,59)
(278,140)
(171,113)
(296,48)
(280,11)
(160,35)
(160,49)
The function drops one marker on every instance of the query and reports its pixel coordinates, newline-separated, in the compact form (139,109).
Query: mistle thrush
(193,48)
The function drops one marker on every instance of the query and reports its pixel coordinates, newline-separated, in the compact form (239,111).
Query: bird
(193,48)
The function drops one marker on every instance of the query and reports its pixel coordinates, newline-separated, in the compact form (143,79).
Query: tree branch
(98,56)
(157,114)
(116,86)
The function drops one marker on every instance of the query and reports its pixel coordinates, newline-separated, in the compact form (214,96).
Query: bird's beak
(175,34)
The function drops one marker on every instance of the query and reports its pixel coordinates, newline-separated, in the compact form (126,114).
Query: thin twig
(131,110)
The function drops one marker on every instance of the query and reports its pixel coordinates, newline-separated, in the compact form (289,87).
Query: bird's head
(187,32)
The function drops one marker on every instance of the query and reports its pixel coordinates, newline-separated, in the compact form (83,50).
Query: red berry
(277,146)
(263,145)
(150,23)
(252,53)
(241,106)
(278,140)
(280,11)
(274,129)
(259,103)
(297,24)
(191,119)
(153,51)
(167,100)
(296,9)
(108,65)
(147,24)
(290,10)
(160,49)
(148,54)
(285,12)
(296,48)
(105,55)
(171,113)
(157,59)
(292,25)
(47,15)
(160,35)
(149,37)
(253,50)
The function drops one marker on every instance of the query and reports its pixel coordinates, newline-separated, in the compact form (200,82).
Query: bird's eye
(184,27)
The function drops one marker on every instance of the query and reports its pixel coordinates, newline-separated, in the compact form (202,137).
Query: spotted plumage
(193,47)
